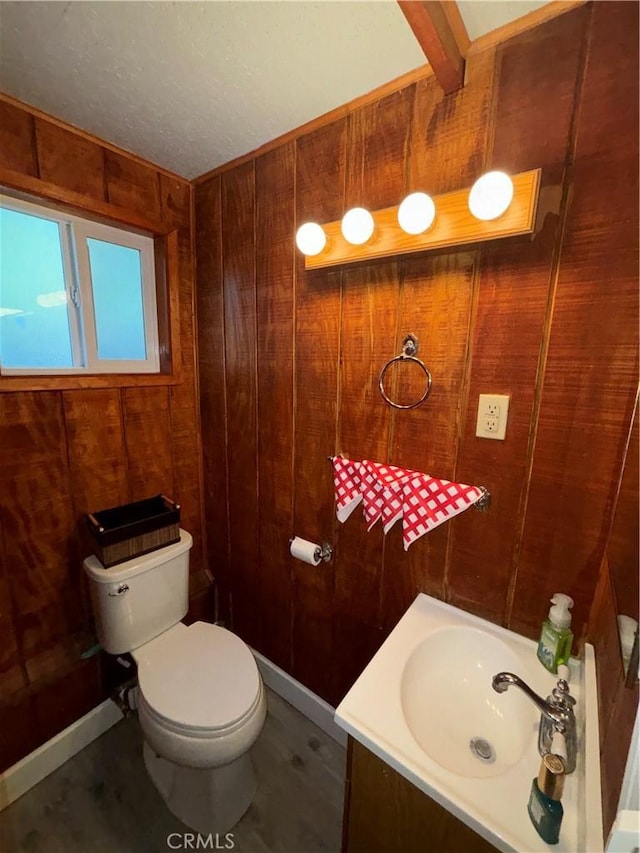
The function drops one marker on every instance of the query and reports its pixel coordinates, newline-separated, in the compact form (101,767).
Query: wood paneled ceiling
(192,85)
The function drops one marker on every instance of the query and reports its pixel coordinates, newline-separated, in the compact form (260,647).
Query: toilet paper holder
(323,552)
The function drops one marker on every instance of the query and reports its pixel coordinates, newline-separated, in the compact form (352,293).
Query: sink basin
(452,710)
(424,704)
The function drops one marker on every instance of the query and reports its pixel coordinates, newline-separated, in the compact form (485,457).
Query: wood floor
(102,801)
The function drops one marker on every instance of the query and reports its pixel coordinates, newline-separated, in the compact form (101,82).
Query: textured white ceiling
(482,16)
(191,85)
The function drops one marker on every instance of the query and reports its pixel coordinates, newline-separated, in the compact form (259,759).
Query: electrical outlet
(493,410)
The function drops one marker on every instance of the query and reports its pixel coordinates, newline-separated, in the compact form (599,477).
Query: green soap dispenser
(556,636)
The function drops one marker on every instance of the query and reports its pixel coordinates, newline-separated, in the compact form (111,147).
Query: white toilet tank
(136,601)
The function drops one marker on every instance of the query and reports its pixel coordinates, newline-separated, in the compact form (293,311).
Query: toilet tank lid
(97,572)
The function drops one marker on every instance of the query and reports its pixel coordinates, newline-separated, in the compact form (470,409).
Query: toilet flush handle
(121,590)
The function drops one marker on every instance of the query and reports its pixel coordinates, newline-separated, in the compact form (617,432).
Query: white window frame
(74,231)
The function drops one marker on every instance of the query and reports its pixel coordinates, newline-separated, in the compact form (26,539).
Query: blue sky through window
(116,278)
(34,317)
(38,321)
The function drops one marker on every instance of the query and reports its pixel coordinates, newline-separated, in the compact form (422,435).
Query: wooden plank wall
(64,453)
(551,321)
(617,593)
(617,704)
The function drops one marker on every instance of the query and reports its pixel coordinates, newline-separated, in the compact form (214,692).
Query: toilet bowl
(201,705)
(201,747)
(201,702)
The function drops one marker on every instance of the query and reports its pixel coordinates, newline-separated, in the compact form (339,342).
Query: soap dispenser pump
(556,637)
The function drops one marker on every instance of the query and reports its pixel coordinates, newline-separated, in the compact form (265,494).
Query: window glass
(76,296)
(116,277)
(34,313)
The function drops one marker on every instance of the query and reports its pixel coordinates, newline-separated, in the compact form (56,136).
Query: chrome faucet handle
(556,713)
(562,696)
(560,727)
(562,700)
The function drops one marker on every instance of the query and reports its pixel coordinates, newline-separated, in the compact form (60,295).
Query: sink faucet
(556,714)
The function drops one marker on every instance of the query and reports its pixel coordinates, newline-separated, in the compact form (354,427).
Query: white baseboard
(33,768)
(302,699)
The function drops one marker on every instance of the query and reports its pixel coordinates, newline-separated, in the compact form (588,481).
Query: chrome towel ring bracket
(409,353)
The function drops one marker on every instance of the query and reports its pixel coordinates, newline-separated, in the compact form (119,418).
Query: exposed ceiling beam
(440,31)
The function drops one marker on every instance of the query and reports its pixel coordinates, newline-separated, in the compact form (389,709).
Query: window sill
(78,381)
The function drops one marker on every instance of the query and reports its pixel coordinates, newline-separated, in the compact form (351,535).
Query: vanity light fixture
(491,196)
(494,208)
(311,239)
(416,213)
(357,226)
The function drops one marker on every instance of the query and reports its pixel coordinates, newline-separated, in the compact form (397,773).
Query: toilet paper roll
(308,552)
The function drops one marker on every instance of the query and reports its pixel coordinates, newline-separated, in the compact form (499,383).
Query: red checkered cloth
(382,493)
(393,499)
(390,493)
(346,480)
(372,488)
(378,486)
(383,498)
(428,502)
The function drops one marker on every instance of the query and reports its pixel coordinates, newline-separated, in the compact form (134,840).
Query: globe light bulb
(491,195)
(357,226)
(310,238)
(416,213)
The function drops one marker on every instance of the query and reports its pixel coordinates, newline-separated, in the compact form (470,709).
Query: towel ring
(409,350)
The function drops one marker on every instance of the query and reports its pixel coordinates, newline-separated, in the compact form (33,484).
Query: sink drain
(482,749)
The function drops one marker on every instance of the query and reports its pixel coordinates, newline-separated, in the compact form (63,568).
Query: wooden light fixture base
(454,225)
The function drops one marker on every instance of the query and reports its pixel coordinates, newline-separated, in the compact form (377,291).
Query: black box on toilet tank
(124,532)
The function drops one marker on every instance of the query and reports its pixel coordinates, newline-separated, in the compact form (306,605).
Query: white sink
(452,710)
(425,705)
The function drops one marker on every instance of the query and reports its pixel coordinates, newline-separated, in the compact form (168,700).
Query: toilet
(201,701)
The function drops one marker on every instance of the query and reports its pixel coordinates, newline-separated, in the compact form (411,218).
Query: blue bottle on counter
(545,808)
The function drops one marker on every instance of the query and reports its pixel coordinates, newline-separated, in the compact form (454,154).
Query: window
(75,296)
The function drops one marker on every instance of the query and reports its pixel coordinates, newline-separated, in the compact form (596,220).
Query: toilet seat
(198,680)
(170,726)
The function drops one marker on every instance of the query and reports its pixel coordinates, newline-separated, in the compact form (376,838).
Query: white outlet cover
(492,409)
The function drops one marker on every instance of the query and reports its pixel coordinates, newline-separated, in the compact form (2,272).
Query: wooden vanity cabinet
(384,813)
